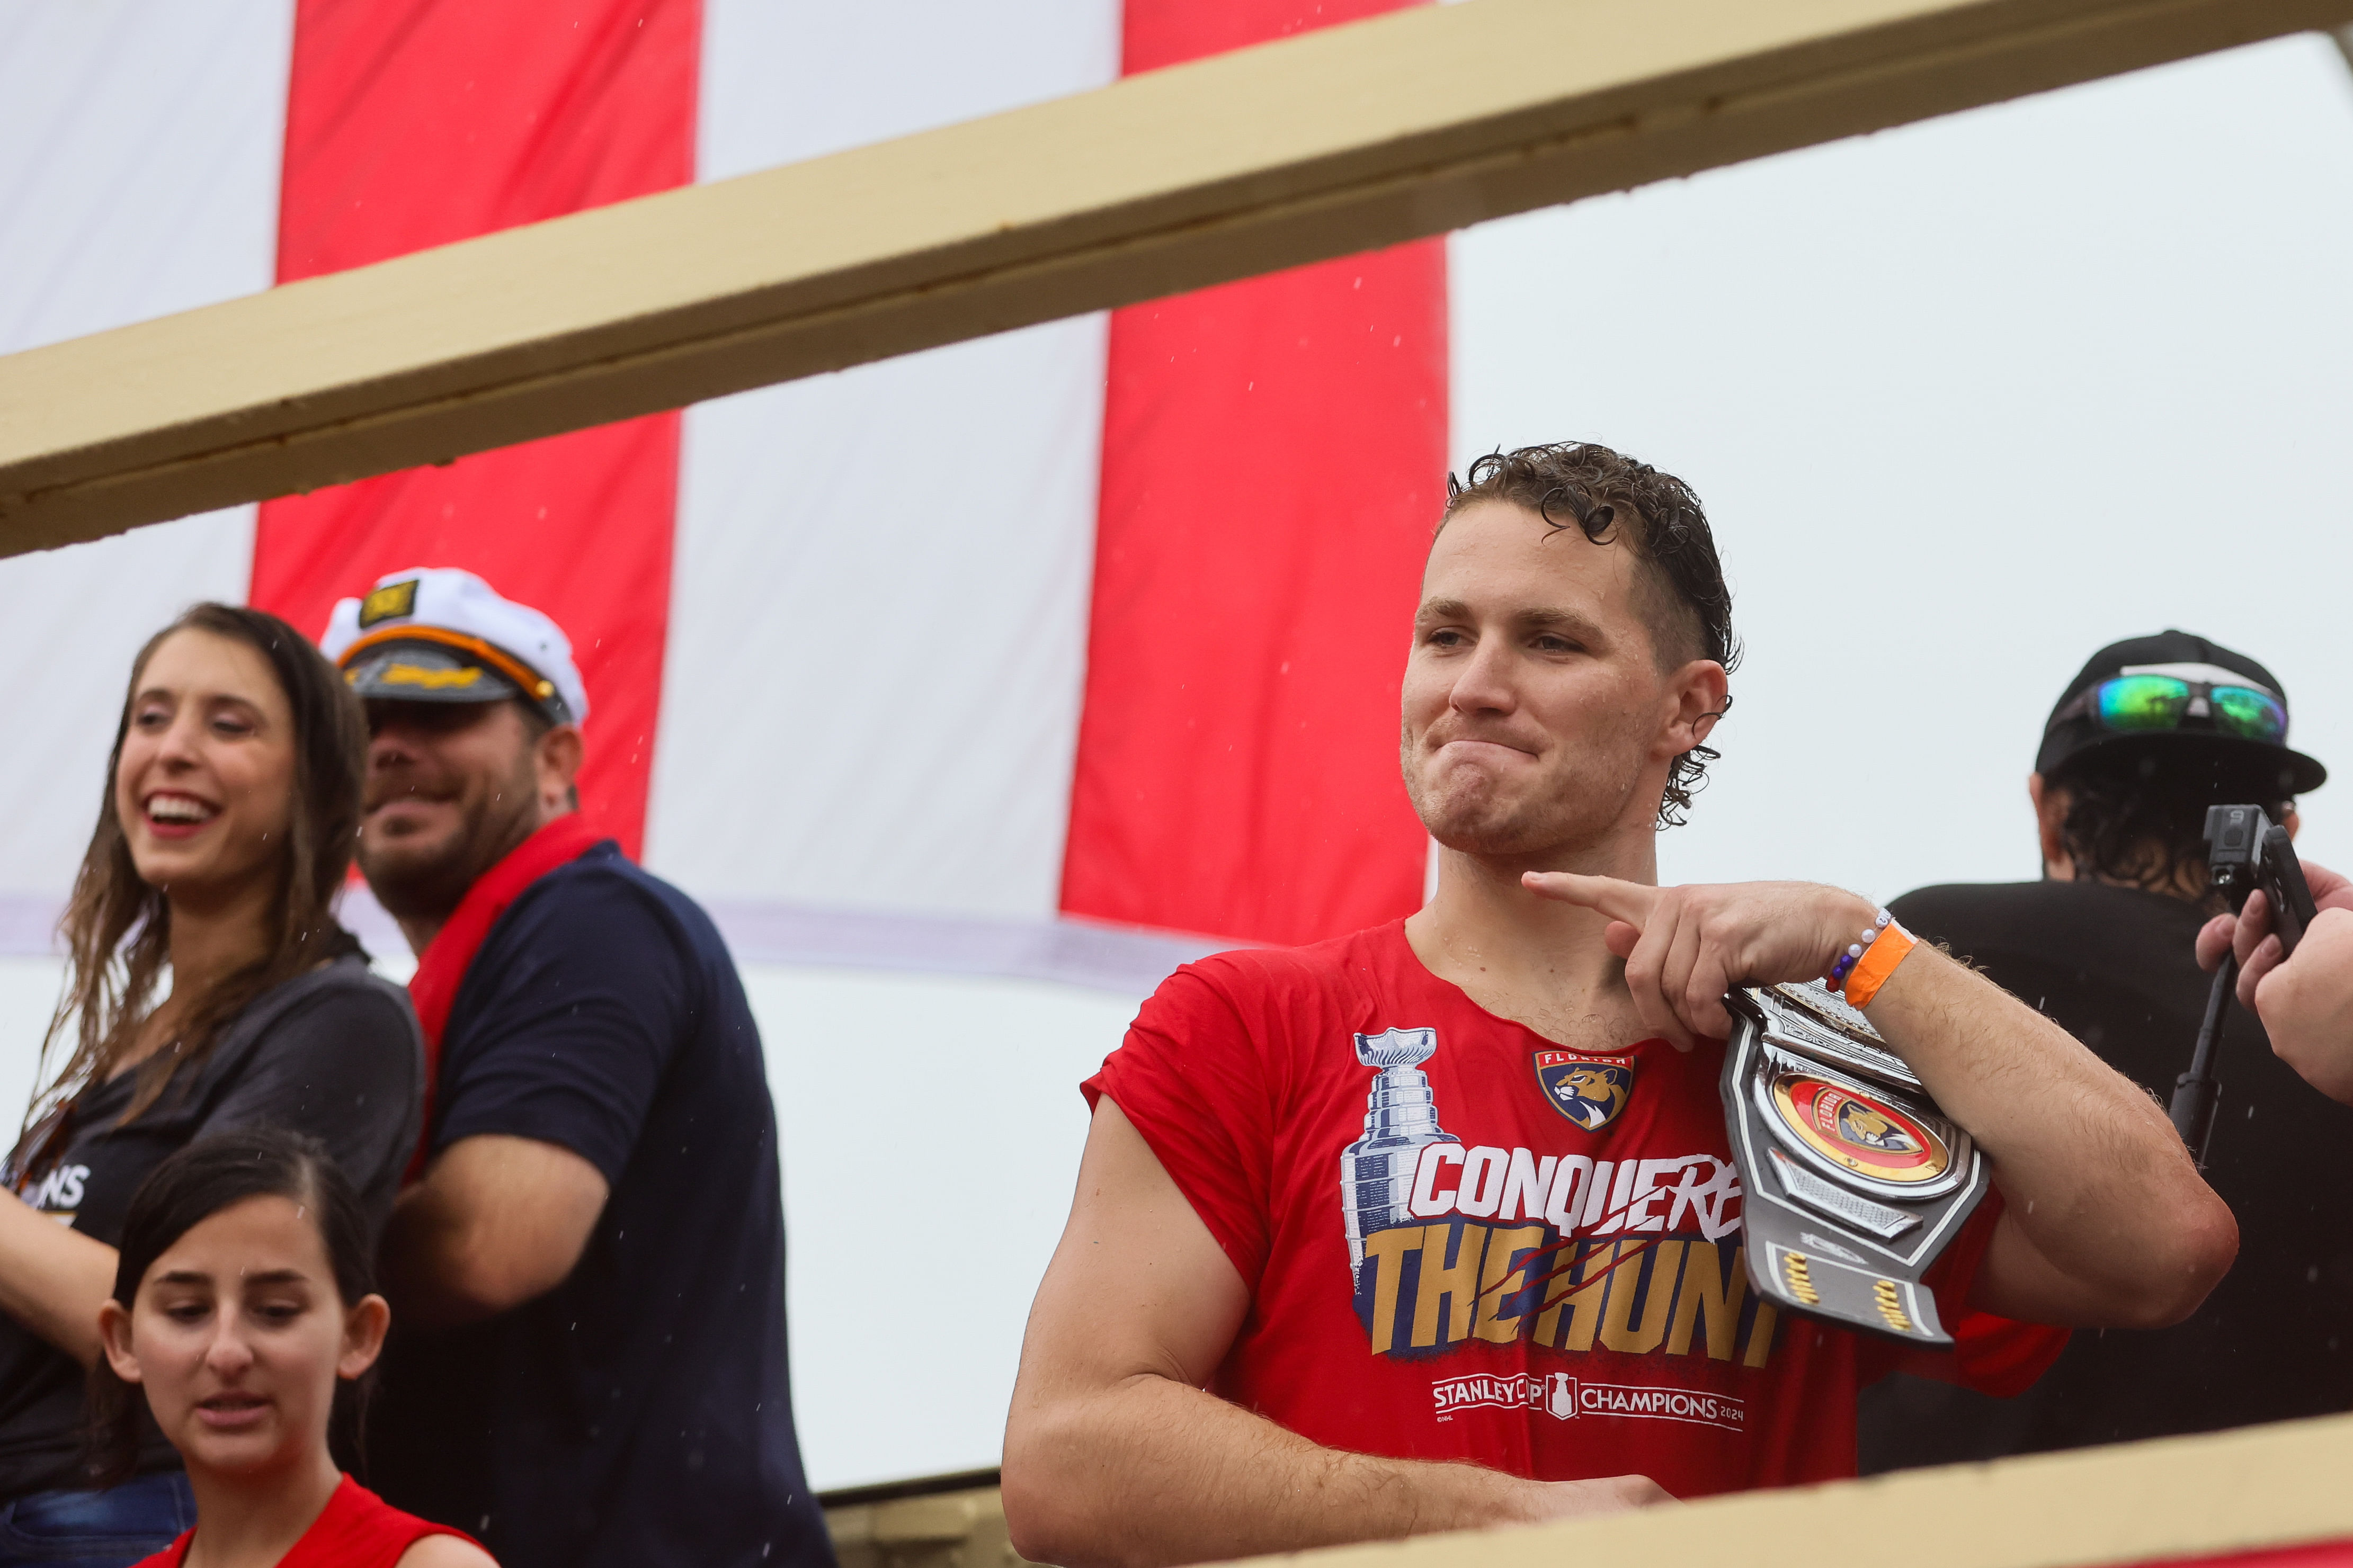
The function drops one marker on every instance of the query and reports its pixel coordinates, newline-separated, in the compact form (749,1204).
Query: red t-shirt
(357,1528)
(1465,1242)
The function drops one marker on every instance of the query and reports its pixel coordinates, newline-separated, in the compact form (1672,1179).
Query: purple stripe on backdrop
(28,926)
(1065,951)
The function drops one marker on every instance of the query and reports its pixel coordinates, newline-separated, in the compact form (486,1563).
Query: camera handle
(2198,1092)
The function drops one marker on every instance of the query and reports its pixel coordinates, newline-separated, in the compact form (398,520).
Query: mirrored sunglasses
(2150,704)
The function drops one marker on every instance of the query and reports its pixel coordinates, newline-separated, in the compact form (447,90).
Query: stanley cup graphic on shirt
(1400,1118)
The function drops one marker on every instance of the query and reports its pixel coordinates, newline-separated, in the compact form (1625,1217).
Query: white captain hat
(439,635)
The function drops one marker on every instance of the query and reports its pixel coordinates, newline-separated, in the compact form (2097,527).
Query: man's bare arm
(495,1221)
(1115,1455)
(2105,1219)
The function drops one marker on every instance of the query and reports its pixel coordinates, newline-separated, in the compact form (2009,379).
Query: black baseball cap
(2269,768)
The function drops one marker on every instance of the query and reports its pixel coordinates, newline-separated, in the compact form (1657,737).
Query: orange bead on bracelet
(1893,945)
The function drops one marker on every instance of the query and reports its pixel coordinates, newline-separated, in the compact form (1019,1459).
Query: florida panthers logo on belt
(1588,1091)
(1861,1133)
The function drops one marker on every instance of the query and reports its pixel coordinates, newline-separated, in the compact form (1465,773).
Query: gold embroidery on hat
(388,603)
(431,680)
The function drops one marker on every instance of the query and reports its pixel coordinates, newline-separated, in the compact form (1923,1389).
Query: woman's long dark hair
(188,1188)
(117,928)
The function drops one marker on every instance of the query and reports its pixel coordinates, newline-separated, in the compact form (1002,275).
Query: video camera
(2245,851)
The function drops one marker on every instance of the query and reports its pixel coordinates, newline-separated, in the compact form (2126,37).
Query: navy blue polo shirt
(640,1413)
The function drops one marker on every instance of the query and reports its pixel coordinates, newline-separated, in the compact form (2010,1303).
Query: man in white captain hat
(589,1264)
(445,655)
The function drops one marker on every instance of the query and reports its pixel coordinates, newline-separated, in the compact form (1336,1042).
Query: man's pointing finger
(1628,902)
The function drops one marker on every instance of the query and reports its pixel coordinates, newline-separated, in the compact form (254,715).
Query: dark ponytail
(183,1191)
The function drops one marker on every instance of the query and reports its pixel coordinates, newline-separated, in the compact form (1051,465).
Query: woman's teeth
(178,808)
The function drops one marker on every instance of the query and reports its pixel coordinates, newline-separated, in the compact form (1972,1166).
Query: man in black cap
(2150,733)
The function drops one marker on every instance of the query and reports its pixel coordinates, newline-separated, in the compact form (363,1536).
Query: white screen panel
(878,631)
(138,158)
(880,607)
(788,79)
(928,1170)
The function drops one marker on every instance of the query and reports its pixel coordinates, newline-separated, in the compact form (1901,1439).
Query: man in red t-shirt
(1436,1225)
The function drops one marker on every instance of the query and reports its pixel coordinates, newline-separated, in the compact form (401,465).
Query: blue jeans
(110,1529)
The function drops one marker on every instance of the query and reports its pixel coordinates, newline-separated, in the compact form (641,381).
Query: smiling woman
(225,832)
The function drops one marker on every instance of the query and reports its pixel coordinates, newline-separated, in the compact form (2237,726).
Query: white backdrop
(152,187)
(882,776)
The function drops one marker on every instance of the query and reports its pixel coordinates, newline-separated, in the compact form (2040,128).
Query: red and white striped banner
(1098,619)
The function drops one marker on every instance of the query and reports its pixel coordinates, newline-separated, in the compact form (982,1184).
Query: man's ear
(364,1331)
(2050,821)
(114,1339)
(2291,821)
(1702,691)
(557,759)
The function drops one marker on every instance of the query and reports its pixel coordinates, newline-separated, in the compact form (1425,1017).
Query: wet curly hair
(1681,593)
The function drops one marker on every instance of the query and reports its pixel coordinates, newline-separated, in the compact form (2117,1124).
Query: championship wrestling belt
(1854,1182)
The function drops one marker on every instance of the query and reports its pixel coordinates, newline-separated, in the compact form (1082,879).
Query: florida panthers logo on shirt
(1451,1242)
(1588,1091)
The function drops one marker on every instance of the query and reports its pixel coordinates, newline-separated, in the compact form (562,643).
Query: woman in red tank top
(243,1310)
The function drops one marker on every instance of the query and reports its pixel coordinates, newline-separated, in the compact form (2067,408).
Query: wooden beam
(1320,146)
(2149,1502)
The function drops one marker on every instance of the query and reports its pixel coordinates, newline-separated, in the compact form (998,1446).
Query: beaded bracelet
(1854,951)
